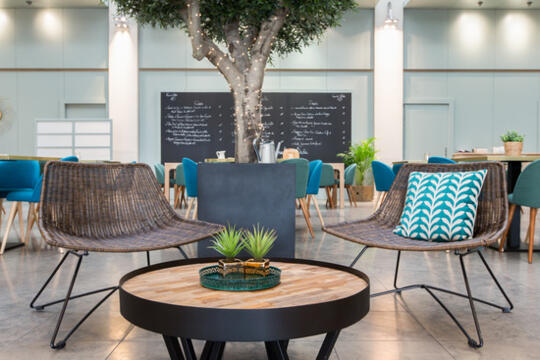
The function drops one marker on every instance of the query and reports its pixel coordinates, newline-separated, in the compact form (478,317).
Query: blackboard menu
(196,125)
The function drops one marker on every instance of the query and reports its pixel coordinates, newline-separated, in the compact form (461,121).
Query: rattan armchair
(377,231)
(107,208)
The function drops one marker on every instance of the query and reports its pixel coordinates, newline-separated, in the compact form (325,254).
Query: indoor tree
(239,37)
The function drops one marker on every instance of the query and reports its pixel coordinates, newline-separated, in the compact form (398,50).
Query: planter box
(363,192)
(247,194)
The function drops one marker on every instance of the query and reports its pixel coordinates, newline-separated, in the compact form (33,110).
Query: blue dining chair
(396,167)
(350,173)
(314,181)
(32,197)
(190,178)
(383,175)
(302,177)
(328,182)
(16,175)
(440,160)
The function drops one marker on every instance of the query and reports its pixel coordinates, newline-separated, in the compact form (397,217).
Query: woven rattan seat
(111,208)
(376,230)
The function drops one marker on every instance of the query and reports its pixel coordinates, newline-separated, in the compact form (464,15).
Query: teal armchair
(350,171)
(179,187)
(328,182)
(526,193)
(302,175)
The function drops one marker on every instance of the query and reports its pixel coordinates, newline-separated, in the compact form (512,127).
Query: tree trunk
(248,123)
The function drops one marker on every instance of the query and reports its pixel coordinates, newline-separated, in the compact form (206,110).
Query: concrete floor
(411,326)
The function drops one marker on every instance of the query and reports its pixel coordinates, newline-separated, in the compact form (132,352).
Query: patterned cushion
(441,206)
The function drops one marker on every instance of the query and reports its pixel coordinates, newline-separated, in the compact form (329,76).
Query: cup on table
(220,154)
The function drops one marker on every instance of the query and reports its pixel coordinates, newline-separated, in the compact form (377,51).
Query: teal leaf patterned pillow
(441,206)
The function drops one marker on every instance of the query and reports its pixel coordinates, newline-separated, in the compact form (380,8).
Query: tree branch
(203,47)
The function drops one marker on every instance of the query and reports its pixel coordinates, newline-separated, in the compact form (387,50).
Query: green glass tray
(212,279)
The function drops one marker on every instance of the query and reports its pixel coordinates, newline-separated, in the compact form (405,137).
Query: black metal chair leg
(472,342)
(41,307)
(173,347)
(359,255)
(396,271)
(60,344)
(328,345)
(506,309)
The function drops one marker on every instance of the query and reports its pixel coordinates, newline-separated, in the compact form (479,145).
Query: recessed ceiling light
(28,2)
(480,3)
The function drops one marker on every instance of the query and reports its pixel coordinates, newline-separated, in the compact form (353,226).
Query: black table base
(275,350)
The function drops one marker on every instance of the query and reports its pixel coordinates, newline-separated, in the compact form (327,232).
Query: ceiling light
(480,3)
(390,20)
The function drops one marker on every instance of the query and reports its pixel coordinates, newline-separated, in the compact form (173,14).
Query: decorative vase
(513,148)
(259,267)
(363,192)
(229,266)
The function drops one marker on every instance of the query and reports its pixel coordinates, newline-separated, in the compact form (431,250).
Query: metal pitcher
(267,153)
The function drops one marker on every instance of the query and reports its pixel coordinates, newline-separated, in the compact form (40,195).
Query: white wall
(346,47)
(485,103)
(42,40)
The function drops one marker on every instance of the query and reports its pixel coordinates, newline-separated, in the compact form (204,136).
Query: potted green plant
(257,243)
(513,143)
(228,243)
(362,155)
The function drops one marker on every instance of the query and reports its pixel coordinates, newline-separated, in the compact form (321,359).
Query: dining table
(514,165)
(339,167)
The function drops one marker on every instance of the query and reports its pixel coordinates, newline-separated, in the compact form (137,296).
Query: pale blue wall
(346,47)
(53,39)
(485,104)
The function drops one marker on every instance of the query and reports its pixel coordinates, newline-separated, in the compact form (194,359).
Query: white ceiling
(473,4)
(50,3)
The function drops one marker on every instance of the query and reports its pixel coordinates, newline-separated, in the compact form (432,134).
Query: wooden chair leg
(352,195)
(2,211)
(21,221)
(12,212)
(190,204)
(183,196)
(348,188)
(308,198)
(176,195)
(318,210)
(510,216)
(334,195)
(532,220)
(196,209)
(306,216)
(377,197)
(29,222)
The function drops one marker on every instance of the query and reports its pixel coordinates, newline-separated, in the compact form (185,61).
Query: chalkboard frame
(200,153)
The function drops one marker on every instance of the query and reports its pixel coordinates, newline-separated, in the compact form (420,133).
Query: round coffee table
(313,298)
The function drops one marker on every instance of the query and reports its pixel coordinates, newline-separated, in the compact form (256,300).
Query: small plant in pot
(229,243)
(513,143)
(362,155)
(258,243)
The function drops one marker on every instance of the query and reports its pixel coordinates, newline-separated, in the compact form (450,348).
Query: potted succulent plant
(362,155)
(513,143)
(257,243)
(228,243)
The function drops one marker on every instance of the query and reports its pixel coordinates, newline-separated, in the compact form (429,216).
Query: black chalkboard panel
(196,125)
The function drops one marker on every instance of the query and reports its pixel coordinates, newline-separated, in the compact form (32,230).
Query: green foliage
(228,242)
(307,20)
(362,155)
(512,136)
(259,241)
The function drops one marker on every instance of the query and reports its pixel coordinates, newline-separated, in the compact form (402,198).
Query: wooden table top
(26,157)
(494,157)
(301,284)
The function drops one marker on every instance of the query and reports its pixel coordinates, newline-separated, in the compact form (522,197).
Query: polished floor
(410,326)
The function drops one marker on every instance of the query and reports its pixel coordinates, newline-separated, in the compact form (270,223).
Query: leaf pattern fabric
(441,206)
